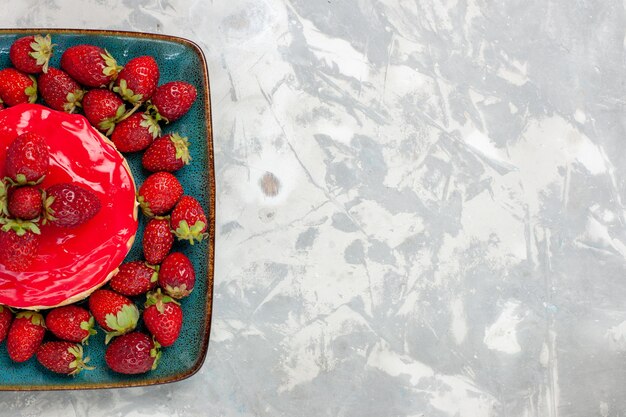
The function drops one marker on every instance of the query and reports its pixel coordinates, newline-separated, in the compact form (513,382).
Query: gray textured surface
(420,208)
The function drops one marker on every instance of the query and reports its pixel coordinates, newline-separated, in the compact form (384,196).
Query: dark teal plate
(178,59)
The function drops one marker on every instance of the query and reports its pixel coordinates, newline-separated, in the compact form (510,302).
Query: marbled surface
(420,207)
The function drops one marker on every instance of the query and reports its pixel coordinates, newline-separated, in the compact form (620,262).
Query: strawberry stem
(128,113)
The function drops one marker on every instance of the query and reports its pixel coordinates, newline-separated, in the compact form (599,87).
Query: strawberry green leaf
(73,100)
(79,363)
(34,317)
(127,94)
(107,126)
(89,327)
(155,275)
(20,227)
(178,292)
(48,212)
(193,233)
(111,68)
(4,205)
(42,48)
(20,179)
(119,113)
(158,299)
(31,90)
(155,352)
(145,206)
(124,321)
(152,125)
(182,148)
(154,112)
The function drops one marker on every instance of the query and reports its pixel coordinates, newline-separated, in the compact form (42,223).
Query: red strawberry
(133,353)
(115,313)
(176,275)
(135,133)
(25,335)
(60,91)
(27,158)
(163,318)
(169,153)
(68,205)
(62,357)
(17,87)
(103,108)
(172,100)
(188,220)
(157,240)
(90,65)
(31,54)
(159,193)
(71,323)
(138,80)
(134,278)
(18,249)
(6,317)
(25,202)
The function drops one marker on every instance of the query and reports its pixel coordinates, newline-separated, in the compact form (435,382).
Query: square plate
(178,59)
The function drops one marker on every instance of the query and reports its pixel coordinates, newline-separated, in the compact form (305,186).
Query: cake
(72,263)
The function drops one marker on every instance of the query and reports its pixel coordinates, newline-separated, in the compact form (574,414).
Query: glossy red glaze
(71,262)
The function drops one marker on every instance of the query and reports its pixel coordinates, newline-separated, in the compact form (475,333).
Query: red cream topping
(71,261)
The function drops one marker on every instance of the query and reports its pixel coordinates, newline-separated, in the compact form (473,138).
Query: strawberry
(133,353)
(115,313)
(163,318)
(135,133)
(27,159)
(172,100)
(25,202)
(25,335)
(62,357)
(138,80)
(159,193)
(188,220)
(103,109)
(6,317)
(31,54)
(17,87)
(157,240)
(169,153)
(60,91)
(18,249)
(90,65)
(134,278)
(68,205)
(71,323)
(176,275)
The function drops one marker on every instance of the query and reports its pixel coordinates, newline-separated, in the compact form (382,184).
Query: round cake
(72,263)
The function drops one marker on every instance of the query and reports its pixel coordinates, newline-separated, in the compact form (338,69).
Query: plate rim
(210,215)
